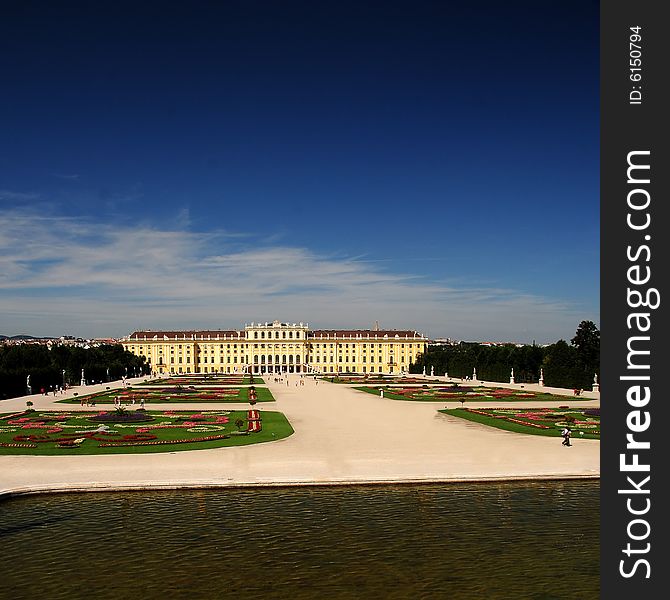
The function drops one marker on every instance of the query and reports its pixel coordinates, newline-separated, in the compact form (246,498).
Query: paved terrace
(342,436)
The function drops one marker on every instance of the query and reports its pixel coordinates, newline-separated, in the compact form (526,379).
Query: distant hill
(23,337)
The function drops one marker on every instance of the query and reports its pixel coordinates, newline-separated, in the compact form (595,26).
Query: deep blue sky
(454,145)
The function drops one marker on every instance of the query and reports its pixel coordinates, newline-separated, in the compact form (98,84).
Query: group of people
(55,389)
(299,382)
(117,401)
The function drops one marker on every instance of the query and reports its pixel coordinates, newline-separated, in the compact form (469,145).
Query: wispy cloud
(66,275)
(13,196)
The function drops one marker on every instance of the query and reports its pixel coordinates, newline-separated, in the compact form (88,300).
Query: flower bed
(543,421)
(460,394)
(135,396)
(73,433)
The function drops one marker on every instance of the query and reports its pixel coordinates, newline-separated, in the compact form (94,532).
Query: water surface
(516,541)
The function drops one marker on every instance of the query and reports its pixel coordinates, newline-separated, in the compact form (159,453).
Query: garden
(213,379)
(459,393)
(376,379)
(124,431)
(585,423)
(134,396)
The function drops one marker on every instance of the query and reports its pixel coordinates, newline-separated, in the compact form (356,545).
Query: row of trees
(52,367)
(564,365)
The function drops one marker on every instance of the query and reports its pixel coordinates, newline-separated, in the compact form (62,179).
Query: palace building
(278,348)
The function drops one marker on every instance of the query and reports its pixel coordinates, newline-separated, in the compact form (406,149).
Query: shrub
(122,417)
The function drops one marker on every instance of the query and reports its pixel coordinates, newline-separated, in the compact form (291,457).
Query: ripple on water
(467,541)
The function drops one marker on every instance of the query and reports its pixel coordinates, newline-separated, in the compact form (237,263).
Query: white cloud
(72,276)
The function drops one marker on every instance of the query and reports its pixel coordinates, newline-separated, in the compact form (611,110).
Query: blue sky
(423,164)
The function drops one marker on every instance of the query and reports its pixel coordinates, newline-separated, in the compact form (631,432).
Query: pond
(535,541)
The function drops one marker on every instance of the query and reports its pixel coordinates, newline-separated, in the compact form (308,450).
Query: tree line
(51,367)
(563,365)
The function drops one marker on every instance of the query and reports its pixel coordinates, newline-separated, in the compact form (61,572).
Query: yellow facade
(277,348)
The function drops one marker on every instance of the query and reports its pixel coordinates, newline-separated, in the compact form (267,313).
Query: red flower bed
(527,423)
(208,438)
(13,416)
(136,437)
(32,438)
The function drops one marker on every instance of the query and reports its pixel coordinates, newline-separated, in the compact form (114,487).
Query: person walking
(566,433)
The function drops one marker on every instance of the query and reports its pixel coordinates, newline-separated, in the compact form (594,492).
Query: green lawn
(173,395)
(535,421)
(39,433)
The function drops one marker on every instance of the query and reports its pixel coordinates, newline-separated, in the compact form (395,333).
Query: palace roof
(217,334)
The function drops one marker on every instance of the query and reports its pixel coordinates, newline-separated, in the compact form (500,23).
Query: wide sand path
(341,436)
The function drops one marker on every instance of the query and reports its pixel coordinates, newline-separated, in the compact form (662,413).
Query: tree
(587,344)
(559,366)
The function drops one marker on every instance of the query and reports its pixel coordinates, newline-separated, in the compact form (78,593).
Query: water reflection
(494,541)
